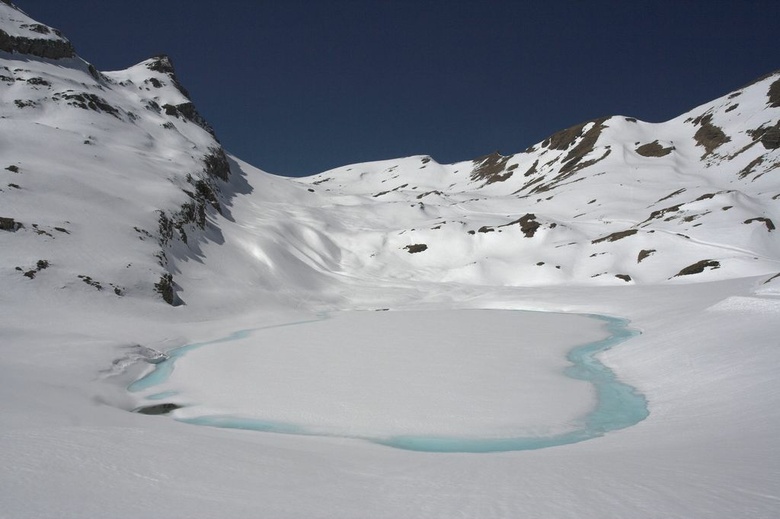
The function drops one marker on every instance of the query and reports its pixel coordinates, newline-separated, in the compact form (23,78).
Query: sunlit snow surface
(89,187)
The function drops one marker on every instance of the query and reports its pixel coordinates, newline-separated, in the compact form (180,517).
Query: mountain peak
(21,34)
(160,63)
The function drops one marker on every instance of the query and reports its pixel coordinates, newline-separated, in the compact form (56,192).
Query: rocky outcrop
(42,48)
(492,168)
(187,111)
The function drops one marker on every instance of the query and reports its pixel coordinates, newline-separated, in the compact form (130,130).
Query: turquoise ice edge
(618,405)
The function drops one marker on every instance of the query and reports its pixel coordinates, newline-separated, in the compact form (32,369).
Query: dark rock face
(528,224)
(216,163)
(164,65)
(158,409)
(582,142)
(491,168)
(771,137)
(698,267)
(563,139)
(186,111)
(165,288)
(770,226)
(86,101)
(615,236)
(653,149)
(644,253)
(708,135)
(774,94)
(8,224)
(417,247)
(42,48)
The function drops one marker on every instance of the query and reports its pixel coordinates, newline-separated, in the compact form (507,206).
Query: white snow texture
(127,233)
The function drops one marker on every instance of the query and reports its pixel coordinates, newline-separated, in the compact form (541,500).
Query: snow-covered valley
(393,299)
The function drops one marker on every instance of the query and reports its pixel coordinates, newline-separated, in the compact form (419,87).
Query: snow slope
(125,231)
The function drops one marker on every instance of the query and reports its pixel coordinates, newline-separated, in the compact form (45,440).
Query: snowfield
(394,299)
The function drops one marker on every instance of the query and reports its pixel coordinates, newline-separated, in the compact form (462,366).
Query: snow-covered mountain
(133,180)
(129,237)
(609,201)
(104,174)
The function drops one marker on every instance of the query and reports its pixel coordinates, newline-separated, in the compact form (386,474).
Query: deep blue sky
(296,87)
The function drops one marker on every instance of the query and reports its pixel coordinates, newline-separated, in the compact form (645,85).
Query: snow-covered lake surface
(411,382)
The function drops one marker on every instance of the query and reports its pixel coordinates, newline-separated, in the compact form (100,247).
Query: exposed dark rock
(205,191)
(86,101)
(532,169)
(8,224)
(485,229)
(661,212)
(91,282)
(572,159)
(423,195)
(38,81)
(572,162)
(491,168)
(39,266)
(164,65)
(40,47)
(766,221)
(615,236)
(751,167)
(771,137)
(698,267)
(37,27)
(653,149)
(624,277)
(528,224)
(709,136)
(217,164)
(670,195)
(774,94)
(157,409)
(772,278)
(644,253)
(95,74)
(563,139)
(417,247)
(187,111)
(165,287)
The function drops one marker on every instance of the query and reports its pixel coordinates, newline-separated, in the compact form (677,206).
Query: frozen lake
(437,381)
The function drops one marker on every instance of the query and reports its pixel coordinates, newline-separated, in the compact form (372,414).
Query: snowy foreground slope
(125,230)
